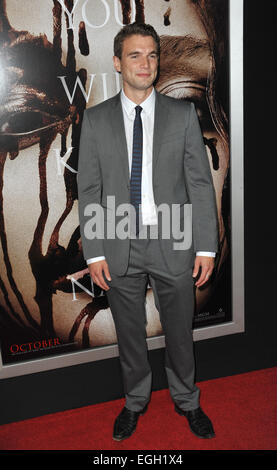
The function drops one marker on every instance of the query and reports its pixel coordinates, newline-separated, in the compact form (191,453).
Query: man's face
(139,62)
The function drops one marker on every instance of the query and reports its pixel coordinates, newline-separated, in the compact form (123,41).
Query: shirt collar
(147,105)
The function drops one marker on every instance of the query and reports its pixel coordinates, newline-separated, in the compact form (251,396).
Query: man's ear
(117,63)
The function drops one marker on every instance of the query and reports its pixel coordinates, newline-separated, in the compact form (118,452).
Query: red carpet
(243,409)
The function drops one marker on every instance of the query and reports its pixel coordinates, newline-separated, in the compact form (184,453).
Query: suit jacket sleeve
(200,188)
(89,183)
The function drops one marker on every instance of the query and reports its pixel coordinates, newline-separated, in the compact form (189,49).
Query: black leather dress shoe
(199,423)
(126,422)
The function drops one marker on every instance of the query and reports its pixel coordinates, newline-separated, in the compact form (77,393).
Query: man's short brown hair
(131,29)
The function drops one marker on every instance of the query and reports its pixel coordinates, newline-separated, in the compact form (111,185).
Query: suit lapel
(117,122)
(160,122)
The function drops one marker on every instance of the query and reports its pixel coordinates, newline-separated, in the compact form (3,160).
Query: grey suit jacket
(181,175)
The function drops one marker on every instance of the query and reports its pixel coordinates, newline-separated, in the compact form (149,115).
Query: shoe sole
(208,436)
(118,439)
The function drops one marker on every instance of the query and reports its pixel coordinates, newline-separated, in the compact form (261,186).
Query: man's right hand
(96,271)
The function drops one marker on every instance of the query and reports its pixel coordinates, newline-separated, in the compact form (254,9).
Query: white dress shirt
(148,208)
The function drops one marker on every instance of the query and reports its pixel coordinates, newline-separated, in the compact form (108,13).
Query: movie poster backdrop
(56,60)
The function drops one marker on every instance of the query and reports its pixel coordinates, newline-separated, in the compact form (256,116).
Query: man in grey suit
(142,154)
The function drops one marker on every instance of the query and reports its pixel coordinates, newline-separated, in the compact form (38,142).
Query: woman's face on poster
(40,209)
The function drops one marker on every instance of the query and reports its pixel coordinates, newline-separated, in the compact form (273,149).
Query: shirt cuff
(205,253)
(93,260)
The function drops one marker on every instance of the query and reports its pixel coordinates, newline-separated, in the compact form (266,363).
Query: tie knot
(138,110)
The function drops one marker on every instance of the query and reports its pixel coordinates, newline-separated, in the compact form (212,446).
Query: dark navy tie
(135,185)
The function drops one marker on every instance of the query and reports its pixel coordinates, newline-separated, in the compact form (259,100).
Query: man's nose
(144,62)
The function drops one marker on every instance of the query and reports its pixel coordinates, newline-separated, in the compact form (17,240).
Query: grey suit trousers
(174,299)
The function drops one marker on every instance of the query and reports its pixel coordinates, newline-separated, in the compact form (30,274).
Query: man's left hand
(206,263)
